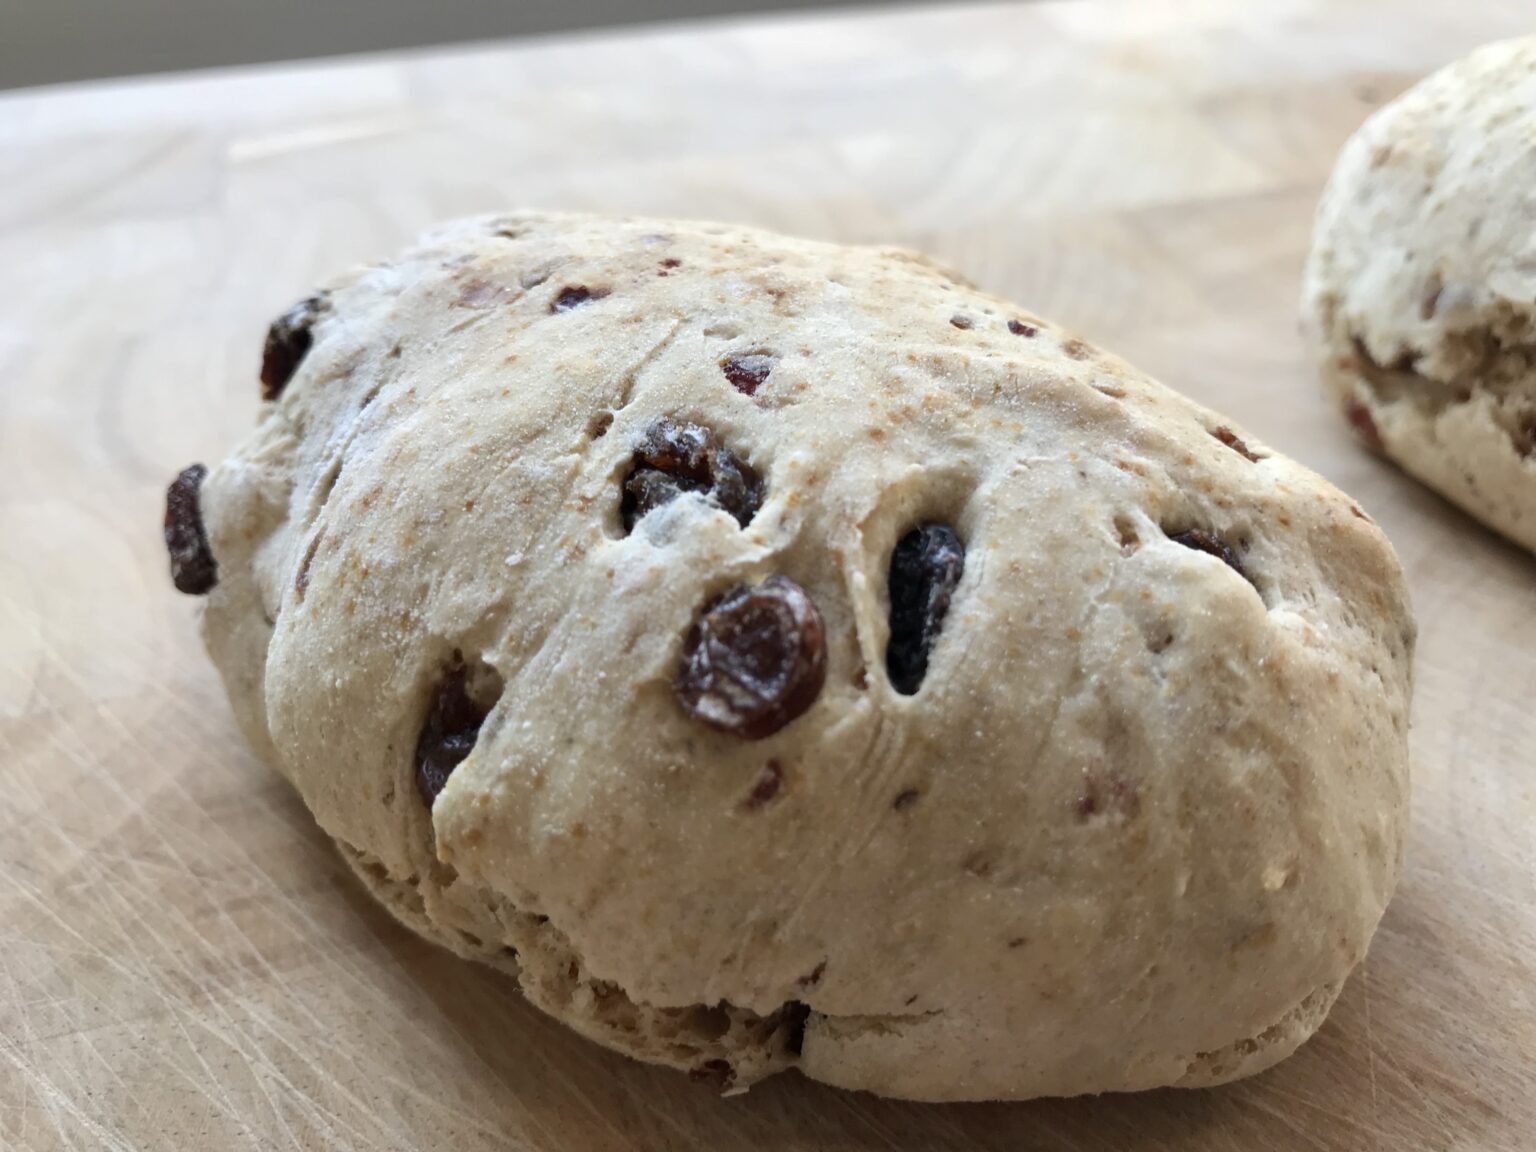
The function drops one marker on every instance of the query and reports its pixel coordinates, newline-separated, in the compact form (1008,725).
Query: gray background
(48,41)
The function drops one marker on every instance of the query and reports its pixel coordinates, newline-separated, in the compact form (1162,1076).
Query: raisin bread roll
(775,654)
(1421,288)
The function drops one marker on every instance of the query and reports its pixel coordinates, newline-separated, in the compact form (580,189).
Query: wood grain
(183,961)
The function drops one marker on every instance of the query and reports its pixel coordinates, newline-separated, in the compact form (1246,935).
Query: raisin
(755,660)
(574,296)
(676,457)
(1202,541)
(448,736)
(1364,425)
(1019,328)
(1235,442)
(747,373)
(288,341)
(193,568)
(769,781)
(961,321)
(926,566)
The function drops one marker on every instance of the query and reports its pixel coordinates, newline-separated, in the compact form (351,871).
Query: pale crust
(1150,812)
(1421,288)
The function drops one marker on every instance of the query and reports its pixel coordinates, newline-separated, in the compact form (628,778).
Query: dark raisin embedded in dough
(769,781)
(747,372)
(448,736)
(193,568)
(1202,541)
(1364,425)
(755,660)
(926,566)
(674,457)
(574,296)
(288,341)
(1019,328)
(962,321)
(1235,442)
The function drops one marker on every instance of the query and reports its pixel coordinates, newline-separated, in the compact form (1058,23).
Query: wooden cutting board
(184,964)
